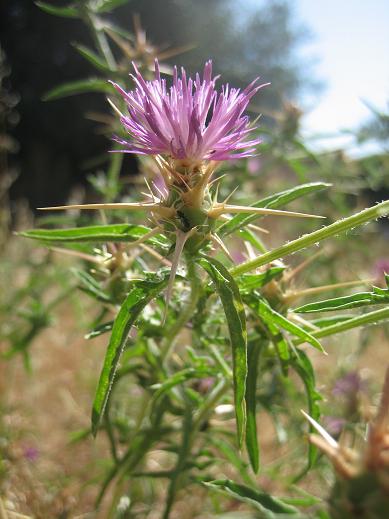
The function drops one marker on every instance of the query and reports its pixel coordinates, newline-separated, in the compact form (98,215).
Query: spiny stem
(307,240)
(354,322)
(185,315)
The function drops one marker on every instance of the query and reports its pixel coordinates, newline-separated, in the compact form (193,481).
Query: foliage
(199,347)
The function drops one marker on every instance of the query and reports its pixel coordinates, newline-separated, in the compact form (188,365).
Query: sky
(351,42)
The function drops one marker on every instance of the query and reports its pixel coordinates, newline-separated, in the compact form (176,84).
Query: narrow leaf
(179,378)
(269,314)
(250,282)
(303,367)
(252,446)
(93,58)
(99,330)
(92,287)
(80,86)
(96,234)
(109,5)
(140,295)
(265,503)
(65,12)
(231,300)
(378,296)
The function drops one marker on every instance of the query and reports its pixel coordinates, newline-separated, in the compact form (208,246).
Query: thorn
(181,238)
(292,296)
(114,107)
(78,254)
(154,253)
(323,433)
(219,241)
(250,225)
(292,273)
(145,237)
(167,212)
(230,195)
(152,195)
(220,209)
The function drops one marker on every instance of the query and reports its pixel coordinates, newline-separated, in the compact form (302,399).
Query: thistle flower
(190,121)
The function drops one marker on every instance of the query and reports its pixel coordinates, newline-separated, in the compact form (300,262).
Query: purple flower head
(189,121)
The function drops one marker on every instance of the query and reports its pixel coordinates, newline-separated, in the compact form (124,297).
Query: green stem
(307,240)
(355,322)
(95,27)
(209,406)
(183,454)
(185,315)
(110,433)
(113,173)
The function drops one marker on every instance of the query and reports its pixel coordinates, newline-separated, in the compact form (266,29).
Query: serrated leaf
(378,296)
(70,11)
(269,506)
(252,446)
(271,202)
(139,297)
(231,300)
(93,58)
(80,86)
(107,6)
(95,233)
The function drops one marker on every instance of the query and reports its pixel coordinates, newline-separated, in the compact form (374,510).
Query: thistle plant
(190,330)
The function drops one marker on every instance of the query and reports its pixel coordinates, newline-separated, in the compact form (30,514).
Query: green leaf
(93,58)
(99,330)
(91,286)
(66,12)
(271,202)
(250,237)
(231,300)
(269,315)
(327,321)
(80,86)
(250,282)
(139,297)
(229,453)
(97,234)
(252,446)
(378,296)
(107,6)
(179,378)
(268,505)
(303,367)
